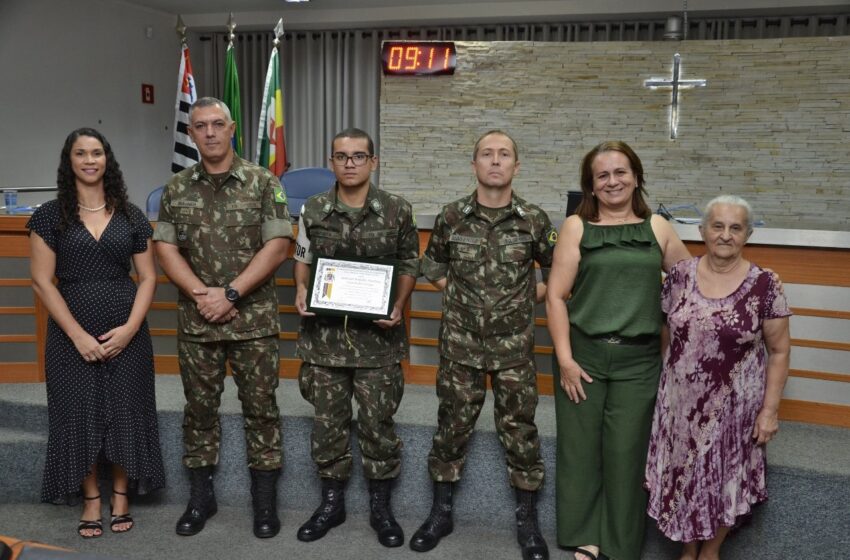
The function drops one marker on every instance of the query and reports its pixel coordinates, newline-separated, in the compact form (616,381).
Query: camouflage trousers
(254,364)
(461,390)
(378,392)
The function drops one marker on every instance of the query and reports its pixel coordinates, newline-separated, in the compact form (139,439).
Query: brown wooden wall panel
(15,246)
(21,372)
(825,313)
(17,310)
(822,344)
(794,265)
(822,375)
(797,265)
(815,413)
(14,282)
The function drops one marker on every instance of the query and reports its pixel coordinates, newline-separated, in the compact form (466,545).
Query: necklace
(97,209)
(618,219)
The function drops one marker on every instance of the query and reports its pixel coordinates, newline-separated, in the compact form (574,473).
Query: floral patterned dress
(704,469)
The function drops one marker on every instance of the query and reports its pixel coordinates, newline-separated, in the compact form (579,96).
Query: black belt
(613,338)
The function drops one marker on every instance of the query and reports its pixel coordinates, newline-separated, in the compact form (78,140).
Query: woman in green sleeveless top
(607,341)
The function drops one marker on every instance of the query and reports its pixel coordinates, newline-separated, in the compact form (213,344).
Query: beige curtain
(330,81)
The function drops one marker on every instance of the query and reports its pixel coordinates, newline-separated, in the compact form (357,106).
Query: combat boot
(264,497)
(329,514)
(527,529)
(381,518)
(202,504)
(439,522)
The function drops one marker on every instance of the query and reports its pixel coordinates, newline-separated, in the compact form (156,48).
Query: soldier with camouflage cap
(345,356)
(481,254)
(223,231)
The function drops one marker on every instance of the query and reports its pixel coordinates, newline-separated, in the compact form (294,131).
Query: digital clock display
(418,58)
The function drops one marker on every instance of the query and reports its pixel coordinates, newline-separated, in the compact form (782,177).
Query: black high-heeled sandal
(90,525)
(120,519)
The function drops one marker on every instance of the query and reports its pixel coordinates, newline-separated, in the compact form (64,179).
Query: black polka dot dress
(101,412)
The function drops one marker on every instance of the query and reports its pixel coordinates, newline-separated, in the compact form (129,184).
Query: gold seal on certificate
(359,288)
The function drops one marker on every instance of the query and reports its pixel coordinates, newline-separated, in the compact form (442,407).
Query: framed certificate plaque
(355,287)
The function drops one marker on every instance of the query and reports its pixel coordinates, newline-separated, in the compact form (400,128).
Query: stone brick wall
(772,125)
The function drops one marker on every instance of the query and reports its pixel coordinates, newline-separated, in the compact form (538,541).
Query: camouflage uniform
(487,257)
(218,231)
(349,356)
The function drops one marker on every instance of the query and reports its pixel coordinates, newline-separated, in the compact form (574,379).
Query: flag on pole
(271,141)
(231,97)
(185,152)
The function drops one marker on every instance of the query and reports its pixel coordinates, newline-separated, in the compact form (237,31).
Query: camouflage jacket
(488,302)
(384,229)
(218,231)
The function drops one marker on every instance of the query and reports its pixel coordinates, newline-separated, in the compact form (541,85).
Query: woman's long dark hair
(114,188)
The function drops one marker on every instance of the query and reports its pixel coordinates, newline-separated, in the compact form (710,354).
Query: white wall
(67,64)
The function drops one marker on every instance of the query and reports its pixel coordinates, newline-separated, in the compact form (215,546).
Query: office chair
(152,204)
(301,184)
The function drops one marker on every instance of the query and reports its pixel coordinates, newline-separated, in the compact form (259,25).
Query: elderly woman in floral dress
(724,370)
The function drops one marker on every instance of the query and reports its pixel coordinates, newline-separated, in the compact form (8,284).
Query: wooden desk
(23,320)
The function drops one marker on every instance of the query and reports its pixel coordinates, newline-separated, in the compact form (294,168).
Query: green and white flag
(231,97)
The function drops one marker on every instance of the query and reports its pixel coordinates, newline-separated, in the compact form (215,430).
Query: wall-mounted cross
(676,84)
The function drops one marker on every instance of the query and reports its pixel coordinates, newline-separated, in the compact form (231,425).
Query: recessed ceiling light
(296,0)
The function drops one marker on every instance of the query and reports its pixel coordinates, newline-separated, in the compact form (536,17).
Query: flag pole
(181,29)
(231,26)
(278,32)
(231,95)
(271,142)
(185,151)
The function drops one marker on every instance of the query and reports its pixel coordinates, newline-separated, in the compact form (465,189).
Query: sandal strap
(92,497)
(120,520)
(90,525)
(580,550)
(114,491)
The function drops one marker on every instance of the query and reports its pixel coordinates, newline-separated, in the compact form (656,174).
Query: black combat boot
(439,522)
(329,514)
(264,497)
(202,503)
(381,518)
(527,530)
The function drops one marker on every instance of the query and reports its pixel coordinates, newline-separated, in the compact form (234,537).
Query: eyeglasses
(358,159)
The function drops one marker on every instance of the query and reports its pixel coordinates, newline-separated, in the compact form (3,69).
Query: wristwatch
(231,293)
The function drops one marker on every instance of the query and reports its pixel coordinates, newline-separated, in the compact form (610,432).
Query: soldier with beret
(481,255)
(223,231)
(345,357)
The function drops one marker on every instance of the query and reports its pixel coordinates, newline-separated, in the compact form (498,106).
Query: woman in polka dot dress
(98,358)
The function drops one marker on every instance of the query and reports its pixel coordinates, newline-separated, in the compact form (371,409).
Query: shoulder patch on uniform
(467,209)
(279,195)
(552,237)
(376,205)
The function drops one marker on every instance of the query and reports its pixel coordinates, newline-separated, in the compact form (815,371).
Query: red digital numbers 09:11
(415,58)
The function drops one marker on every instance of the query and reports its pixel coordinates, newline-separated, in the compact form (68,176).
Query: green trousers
(254,364)
(378,392)
(602,444)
